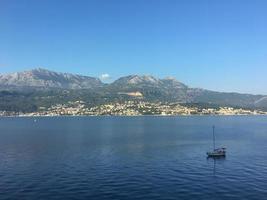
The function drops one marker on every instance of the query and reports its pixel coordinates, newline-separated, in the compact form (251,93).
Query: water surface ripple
(132,158)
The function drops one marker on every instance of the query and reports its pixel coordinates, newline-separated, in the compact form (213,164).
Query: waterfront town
(132,108)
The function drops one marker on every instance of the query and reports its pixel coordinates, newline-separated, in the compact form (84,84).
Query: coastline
(74,116)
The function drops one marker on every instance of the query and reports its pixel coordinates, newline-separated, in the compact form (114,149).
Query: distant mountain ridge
(42,78)
(146,80)
(48,88)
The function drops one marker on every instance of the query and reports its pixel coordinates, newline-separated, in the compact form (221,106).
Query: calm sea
(132,158)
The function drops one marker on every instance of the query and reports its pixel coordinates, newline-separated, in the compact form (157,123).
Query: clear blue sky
(214,44)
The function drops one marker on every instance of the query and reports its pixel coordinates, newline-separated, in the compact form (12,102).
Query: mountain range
(45,79)
(29,90)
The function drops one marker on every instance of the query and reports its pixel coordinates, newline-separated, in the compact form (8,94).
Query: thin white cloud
(104,77)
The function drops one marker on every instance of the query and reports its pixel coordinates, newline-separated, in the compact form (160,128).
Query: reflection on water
(216,160)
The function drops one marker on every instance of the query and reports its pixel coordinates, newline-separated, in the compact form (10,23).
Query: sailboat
(219,152)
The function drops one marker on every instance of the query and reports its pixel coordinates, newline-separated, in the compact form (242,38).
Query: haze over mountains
(41,87)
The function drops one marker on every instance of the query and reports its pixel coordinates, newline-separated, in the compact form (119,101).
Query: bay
(148,157)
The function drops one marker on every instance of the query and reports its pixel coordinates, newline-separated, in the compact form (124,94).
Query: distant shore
(194,115)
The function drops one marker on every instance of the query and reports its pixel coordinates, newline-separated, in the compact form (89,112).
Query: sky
(211,44)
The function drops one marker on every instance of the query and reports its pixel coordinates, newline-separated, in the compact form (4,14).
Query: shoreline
(73,116)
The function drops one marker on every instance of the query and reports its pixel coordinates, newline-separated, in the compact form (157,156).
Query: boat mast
(213,128)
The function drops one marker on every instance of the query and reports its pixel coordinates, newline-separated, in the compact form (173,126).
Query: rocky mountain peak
(43,78)
(143,79)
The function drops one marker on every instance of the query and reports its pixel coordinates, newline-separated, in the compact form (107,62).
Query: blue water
(132,158)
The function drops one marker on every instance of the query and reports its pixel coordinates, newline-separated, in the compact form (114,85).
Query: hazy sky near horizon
(213,44)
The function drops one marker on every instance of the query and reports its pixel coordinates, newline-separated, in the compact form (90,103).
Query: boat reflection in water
(216,160)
